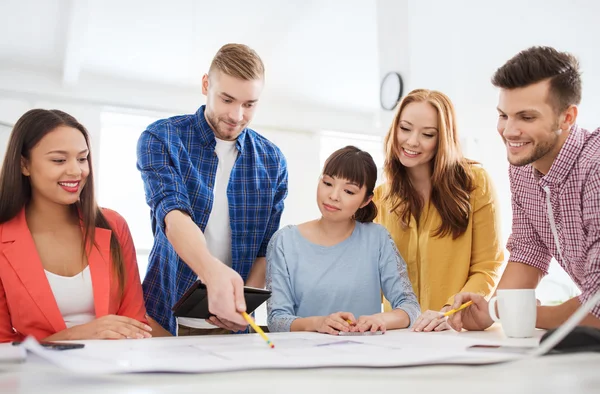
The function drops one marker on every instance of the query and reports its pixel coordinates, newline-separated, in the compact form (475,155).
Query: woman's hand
(106,327)
(370,323)
(336,322)
(432,321)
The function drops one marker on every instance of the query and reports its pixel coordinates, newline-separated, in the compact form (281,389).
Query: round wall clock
(391,90)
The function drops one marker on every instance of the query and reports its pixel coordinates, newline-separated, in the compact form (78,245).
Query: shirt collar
(566,159)
(207,135)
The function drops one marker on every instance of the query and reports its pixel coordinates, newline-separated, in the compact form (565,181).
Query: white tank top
(74,296)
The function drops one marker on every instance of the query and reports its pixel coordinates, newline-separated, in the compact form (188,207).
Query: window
(119,183)
(333,140)
(5,130)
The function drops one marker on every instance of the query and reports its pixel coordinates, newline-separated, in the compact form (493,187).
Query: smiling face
(230,103)
(529,126)
(339,199)
(58,166)
(417,134)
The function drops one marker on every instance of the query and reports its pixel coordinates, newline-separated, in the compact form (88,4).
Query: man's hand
(475,317)
(225,286)
(225,289)
(226,324)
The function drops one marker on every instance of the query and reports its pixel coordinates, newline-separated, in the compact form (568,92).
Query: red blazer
(27,304)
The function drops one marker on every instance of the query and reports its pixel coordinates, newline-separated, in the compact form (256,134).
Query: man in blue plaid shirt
(216,190)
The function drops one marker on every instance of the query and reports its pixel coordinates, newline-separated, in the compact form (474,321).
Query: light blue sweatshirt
(313,280)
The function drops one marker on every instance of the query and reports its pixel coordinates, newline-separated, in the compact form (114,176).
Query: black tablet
(194,303)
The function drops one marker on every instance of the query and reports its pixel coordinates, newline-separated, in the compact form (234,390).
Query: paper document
(12,354)
(239,352)
(293,350)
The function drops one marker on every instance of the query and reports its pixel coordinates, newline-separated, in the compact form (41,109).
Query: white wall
(455,47)
(301,150)
(12,108)
(5,130)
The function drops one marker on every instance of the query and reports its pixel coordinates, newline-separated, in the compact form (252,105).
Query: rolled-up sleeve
(524,243)
(280,307)
(395,283)
(163,184)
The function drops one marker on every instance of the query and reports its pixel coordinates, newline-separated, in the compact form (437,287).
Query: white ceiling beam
(77,22)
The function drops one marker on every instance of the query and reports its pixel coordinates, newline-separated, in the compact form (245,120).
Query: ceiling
(322,52)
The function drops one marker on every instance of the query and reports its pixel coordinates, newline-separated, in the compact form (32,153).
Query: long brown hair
(356,166)
(451,180)
(15,189)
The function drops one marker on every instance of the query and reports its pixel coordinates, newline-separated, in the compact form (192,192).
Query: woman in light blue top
(325,273)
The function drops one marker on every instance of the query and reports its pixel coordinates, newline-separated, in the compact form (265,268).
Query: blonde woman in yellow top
(439,207)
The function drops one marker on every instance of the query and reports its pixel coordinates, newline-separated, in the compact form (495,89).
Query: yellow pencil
(258,329)
(460,308)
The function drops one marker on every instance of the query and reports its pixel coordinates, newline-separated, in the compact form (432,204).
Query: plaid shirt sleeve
(524,244)
(164,187)
(275,217)
(591,220)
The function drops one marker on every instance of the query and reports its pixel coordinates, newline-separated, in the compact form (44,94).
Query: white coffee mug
(518,310)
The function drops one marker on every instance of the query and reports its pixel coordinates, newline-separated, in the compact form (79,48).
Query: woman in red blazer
(68,269)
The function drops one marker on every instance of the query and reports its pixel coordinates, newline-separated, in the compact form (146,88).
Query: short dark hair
(356,166)
(539,63)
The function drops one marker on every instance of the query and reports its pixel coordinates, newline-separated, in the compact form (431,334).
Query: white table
(575,373)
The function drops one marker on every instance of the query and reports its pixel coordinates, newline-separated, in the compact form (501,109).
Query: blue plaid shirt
(177,159)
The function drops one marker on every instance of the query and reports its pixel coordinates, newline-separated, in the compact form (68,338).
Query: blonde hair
(239,61)
(452,180)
